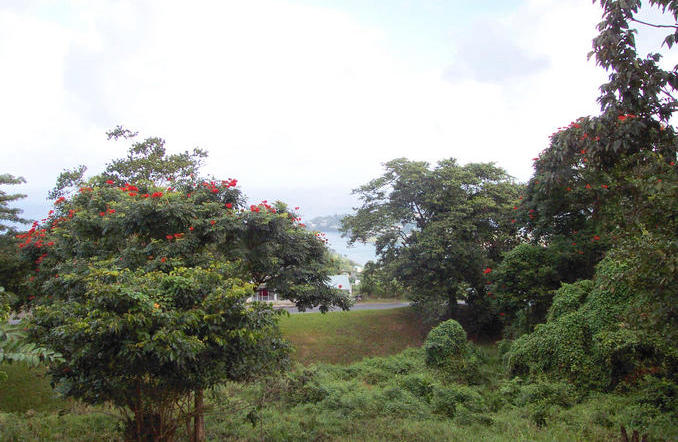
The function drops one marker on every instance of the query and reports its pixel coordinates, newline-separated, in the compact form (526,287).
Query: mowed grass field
(345,337)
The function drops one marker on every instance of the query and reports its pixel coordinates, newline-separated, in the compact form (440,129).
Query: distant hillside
(330,223)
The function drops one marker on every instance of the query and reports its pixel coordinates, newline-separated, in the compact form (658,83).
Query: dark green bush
(419,384)
(444,343)
(626,325)
(569,298)
(446,400)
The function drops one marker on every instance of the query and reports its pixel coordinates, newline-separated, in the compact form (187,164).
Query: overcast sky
(301,100)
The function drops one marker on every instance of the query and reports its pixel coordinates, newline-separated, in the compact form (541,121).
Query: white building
(341,282)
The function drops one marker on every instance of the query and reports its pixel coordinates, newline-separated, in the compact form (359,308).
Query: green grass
(27,389)
(367,300)
(344,337)
(394,397)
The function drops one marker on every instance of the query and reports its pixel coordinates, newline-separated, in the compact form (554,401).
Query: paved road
(366,306)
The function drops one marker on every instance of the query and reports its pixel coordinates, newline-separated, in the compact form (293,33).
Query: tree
(142,286)
(13,344)
(7,213)
(611,180)
(438,229)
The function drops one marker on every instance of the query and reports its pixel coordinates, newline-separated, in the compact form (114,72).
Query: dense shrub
(444,343)
(569,298)
(446,400)
(623,328)
(419,384)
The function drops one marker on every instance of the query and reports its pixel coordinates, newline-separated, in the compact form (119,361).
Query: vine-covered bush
(569,298)
(623,329)
(445,342)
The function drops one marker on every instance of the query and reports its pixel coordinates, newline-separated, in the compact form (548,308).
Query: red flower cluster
(129,188)
(625,117)
(156,195)
(486,271)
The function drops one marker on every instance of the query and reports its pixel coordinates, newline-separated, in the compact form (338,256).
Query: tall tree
(438,229)
(611,179)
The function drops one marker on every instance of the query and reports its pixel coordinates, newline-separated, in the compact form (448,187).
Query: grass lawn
(27,388)
(344,337)
(383,300)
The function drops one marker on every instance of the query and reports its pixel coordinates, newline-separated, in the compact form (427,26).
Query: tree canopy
(437,229)
(142,285)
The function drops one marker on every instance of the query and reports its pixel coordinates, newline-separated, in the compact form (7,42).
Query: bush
(613,329)
(419,384)
(446,400)
(445,342)
(569,298)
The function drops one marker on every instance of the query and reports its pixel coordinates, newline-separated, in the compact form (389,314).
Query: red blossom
(588,186)
(109,181)
(339,286)
(163,259)
(487,270)
(60,200)
(132,194)
(228,205)
(111,210)
(596,238)
(213,222)
(190,228)
(102,213)
(169,237)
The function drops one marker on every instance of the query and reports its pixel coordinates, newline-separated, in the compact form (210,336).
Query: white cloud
(286,97)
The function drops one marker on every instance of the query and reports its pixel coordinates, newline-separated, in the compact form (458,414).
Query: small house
(341,282)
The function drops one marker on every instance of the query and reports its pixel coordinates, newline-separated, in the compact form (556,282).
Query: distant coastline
(329,225)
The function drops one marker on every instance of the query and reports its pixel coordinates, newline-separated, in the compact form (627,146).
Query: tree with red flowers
(140,279)
(607,187)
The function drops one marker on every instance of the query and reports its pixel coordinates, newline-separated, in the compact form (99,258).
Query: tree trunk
(199,418)
(138,415)
(451,304)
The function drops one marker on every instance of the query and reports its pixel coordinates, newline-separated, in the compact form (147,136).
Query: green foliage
(8,214)
(445,342)
(569,298)
(613,329)
(523,284)
(142,285)
(436,228)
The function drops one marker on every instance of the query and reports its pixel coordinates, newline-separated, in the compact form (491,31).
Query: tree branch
(653,25)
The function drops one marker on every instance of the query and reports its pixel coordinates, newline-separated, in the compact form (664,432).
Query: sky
(300,100)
